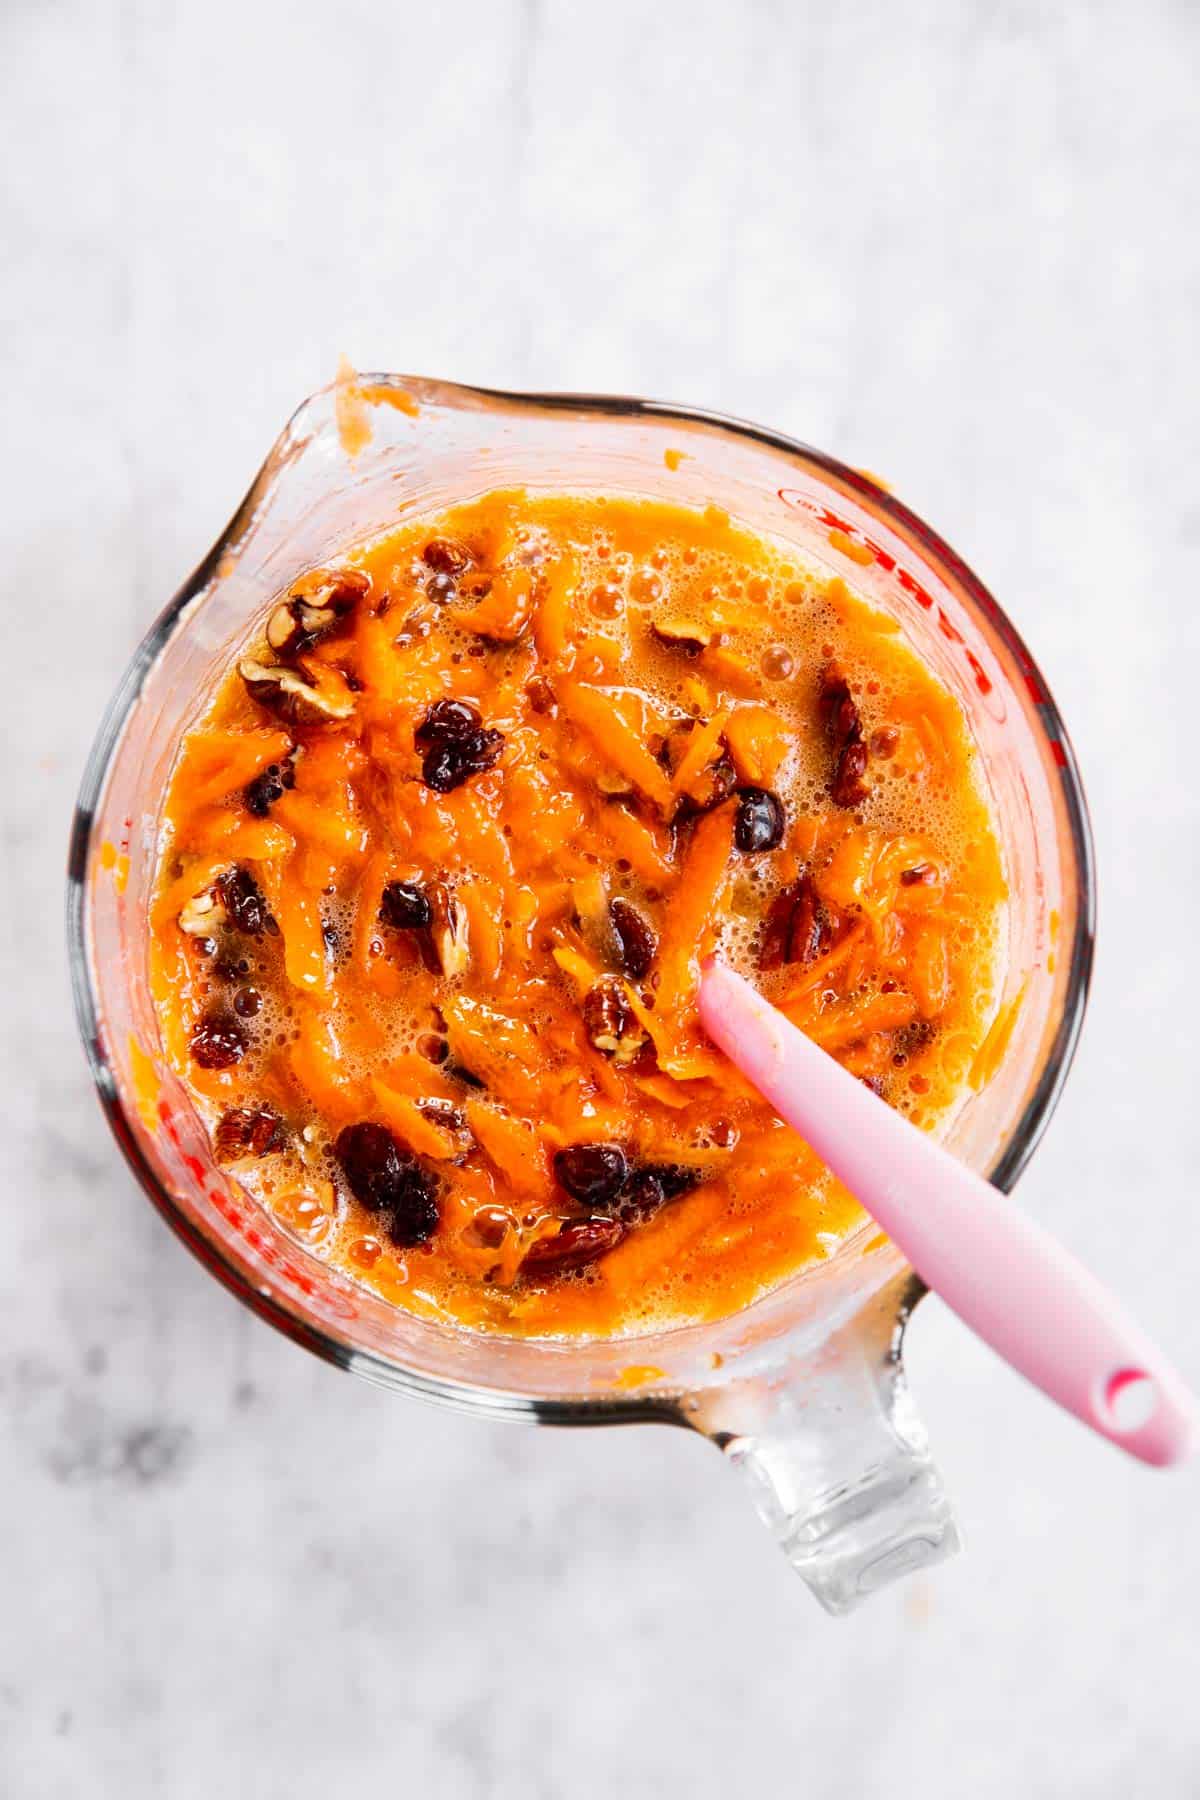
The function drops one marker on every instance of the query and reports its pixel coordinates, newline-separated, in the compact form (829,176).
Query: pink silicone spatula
(1003,1275)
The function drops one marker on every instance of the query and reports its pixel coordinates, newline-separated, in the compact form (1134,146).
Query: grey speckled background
(957,244)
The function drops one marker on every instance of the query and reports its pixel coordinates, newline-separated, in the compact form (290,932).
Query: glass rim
(279,1311)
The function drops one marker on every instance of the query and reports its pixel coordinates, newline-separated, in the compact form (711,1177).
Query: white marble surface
(956,244)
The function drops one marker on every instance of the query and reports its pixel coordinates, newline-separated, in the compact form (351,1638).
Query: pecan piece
(246,1131)
(798,926)
(580,1241)
(843,727)
(681,634)
(448,930)
(848,787)
(611,1024)
(294,694)
(203,914)
(301,620)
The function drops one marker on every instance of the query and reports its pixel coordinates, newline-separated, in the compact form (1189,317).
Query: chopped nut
(299,621)
(612,1025)
(246,1131)
(844,728)
(295,695)
(448,931)
(848,787)
(682,634)
(203,914)
(799,927)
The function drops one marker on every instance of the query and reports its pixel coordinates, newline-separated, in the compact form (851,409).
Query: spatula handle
(1005,1277)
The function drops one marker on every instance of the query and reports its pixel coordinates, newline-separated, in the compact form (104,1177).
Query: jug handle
(836,1457)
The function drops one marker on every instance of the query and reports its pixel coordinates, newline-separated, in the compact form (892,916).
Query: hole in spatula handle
(1129,1401)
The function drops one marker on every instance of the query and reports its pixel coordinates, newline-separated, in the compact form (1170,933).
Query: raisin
(592,1173)
(261,794)
(923,875)
(247,1002)
(760,820)
(244,902)
(388,1181)
(447,766)
(798,927)
(246,1131)
(638,942)
(447,722)
(446,556)
(405,907)
(581,1241)
(218,1041)
(674,1178)
(461,1073)
(643,1195)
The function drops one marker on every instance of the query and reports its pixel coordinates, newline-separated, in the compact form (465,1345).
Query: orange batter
(441,855)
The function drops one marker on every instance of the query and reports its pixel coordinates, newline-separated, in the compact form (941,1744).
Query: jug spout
(837,1458)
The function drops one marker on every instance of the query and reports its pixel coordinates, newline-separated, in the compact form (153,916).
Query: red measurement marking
(982,680)
(327,1300)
